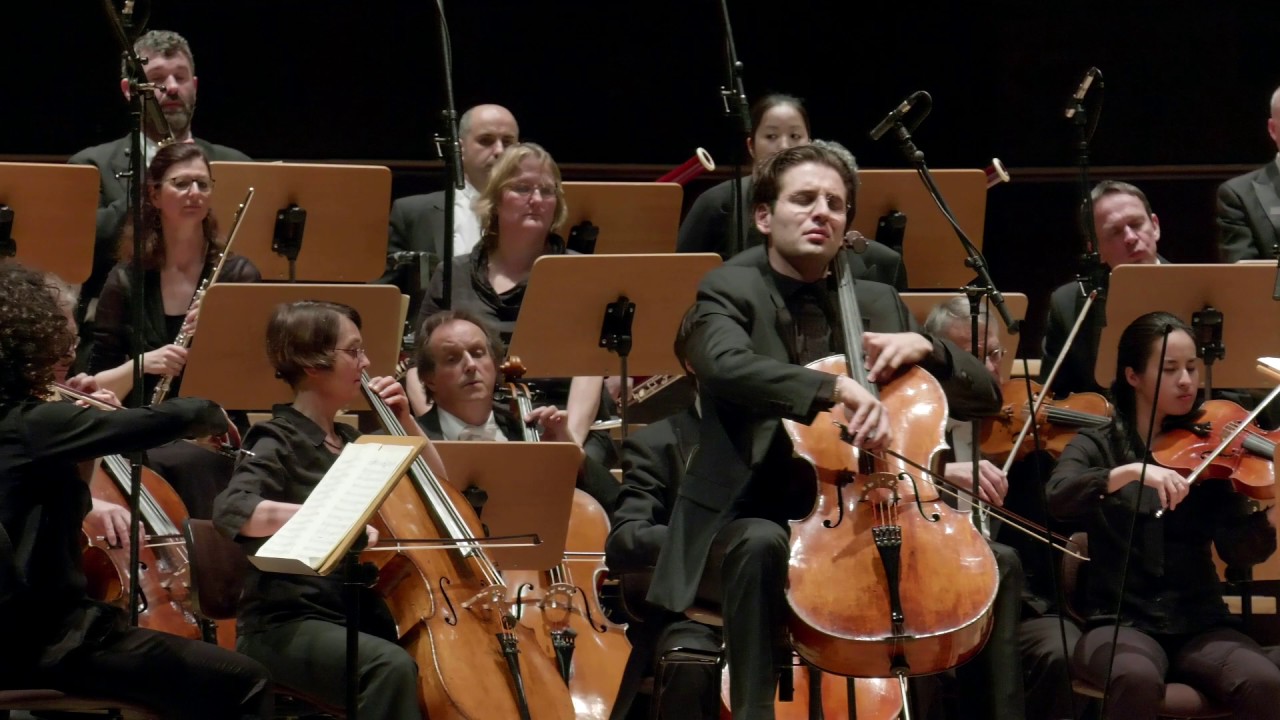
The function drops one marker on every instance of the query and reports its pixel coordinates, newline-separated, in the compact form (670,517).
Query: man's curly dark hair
(34,334)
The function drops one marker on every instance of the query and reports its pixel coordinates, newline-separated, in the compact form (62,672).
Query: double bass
(885,579)
(590,651)
(450,606)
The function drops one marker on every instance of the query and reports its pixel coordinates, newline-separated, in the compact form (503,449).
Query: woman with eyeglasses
(520,211)
(295,625)
(180,240)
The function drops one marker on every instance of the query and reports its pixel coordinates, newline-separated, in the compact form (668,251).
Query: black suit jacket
(111,159)
(706,229)
(416,225)
(1249,215)
(742,353)
(429,421)
(1076,373)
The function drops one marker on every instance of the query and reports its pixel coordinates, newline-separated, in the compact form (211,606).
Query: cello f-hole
(450,615)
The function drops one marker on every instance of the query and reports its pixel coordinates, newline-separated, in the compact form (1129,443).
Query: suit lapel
(784,324)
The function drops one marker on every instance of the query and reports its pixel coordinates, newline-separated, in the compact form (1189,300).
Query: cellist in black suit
(757,319)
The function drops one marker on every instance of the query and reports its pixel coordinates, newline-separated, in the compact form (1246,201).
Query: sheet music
(337,503)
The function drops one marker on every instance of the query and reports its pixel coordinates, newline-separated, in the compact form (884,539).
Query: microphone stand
(142,104)
(1093,274)
(450,150)
(981,286)
(734,97)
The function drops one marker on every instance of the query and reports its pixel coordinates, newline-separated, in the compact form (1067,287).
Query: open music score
(315,539)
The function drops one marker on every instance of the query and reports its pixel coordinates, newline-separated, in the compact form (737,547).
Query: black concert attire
(472,292)
(197,474)
(295,624)
(54,635)
(593,478)
(707,228)
(1249,214)
(112,159)
(727,537)
(653,463)
(1174,623)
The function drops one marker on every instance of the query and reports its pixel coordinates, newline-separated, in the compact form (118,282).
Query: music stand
(227,362)
(534,500)
(587,315)
(929,249)
(54,214)
(346,215)
(1241,292)
(921,303)
(631,218)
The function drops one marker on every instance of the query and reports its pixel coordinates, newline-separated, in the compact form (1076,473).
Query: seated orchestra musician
(757,319)
(457,363)
(1022,671)
(520,210)
(170,65)
(780,121)
(181,242)
(54,635)
(296,625)
(1173,623)
(653,462)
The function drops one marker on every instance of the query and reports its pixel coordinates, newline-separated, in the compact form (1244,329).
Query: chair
(1181,701)
(218,566)
(42,700)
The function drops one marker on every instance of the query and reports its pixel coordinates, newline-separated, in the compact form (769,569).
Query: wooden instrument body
(1056,422)
(838,590)
(601,647)
(875,698)
(462,671)
(1246,461)
(164,581)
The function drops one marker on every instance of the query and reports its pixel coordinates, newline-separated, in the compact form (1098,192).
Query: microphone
(895,117)
(1081,91)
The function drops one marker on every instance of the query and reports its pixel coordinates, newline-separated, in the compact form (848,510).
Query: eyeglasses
(525,190)
(183,184)
(996,355)
(356,353)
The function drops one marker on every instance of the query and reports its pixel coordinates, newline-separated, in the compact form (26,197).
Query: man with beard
(168,64)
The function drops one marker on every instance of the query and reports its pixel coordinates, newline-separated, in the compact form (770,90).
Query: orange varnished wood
(876,698)
(1000,431)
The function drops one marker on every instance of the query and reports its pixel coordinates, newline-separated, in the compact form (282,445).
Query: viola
(885,579)
(1057,421)
(591,652)
(1246,459)
(450,606)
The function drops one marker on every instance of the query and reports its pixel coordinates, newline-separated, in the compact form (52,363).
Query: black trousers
(688,691)
(1045,670)
(177,677)
(1224,664)
(310,656)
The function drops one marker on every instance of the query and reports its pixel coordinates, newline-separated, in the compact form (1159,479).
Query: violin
(590,651)
(450,605)
(1246,459)
(885,579)
(1056,421)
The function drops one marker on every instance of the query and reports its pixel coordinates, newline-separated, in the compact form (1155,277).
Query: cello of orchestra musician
(294,624)
(180,243)
(757,319)
(1173,623)
(55,637)
(169,65)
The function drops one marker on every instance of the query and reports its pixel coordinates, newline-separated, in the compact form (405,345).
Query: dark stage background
(608,85)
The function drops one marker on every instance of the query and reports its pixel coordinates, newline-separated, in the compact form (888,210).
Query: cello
(885,579)
(590,652)
(450,606)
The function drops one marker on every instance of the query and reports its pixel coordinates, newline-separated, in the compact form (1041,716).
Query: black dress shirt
(44,611)
(289,459)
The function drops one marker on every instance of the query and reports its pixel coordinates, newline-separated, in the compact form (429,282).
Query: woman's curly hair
(34,333)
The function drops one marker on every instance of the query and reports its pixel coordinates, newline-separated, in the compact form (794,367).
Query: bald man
(417,221)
